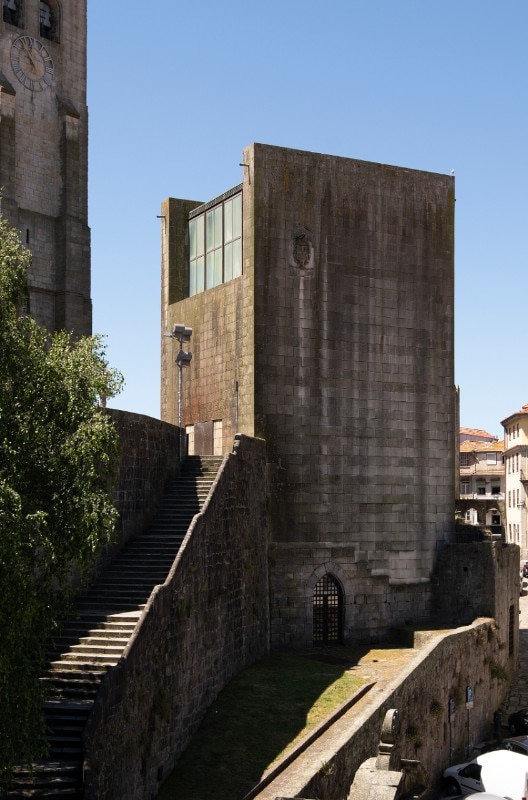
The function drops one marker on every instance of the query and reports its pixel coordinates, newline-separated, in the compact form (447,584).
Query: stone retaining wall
(204,624)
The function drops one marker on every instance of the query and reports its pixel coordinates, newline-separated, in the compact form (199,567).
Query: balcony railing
(488,496)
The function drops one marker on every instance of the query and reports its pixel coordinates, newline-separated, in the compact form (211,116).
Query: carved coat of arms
(301,254)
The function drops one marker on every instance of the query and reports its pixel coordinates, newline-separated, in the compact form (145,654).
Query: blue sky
(174,96)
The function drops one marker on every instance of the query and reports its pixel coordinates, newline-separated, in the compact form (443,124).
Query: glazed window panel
(196,239)
(228,261)
(214,229)
(216,237)
(200,274)
(214,268)
(237,258)
(237,216)
(228,221)
(196,256)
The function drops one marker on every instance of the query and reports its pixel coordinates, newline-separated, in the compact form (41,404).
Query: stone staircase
(105,618)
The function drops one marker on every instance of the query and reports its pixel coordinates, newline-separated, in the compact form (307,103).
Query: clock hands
(29,52)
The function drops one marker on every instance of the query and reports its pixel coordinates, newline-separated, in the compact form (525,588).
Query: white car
(500,772)
(483,796)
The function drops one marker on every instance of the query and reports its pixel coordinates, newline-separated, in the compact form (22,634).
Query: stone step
(51,779)
(81,708)
(65,746)
(100,647)
(95,606)
(80,693)
(117,589)
(136,571)
(163,556)
(164,541)
(130,562)
(64,690)
(124,579)
(64,726)
(71,635)
(90,674)
(64,672)
(115,599)
(64,643)
(110,604)
(185,491)
(86,659)
(96,616)
(162,547)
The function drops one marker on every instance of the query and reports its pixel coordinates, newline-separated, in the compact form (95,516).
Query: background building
(516,472)
(320,294)
(476,435)
(482,482)
(44,153)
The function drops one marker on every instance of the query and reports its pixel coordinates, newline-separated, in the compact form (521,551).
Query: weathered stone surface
(335,345)
(44,168)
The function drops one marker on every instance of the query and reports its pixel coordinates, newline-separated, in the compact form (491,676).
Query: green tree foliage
(57,459)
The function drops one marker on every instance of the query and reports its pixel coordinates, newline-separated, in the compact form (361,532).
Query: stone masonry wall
(44,168)
(476,579)
(353,265)
(148,459)
(205,623)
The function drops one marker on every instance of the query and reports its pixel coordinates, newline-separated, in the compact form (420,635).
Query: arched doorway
(327,611)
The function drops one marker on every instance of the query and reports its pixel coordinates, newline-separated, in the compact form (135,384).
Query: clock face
(32,63)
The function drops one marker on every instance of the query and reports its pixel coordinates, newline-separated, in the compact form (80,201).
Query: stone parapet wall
(148,459)
(476,579)
(204,624)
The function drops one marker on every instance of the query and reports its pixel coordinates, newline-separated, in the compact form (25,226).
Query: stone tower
(44,153)
(320,296)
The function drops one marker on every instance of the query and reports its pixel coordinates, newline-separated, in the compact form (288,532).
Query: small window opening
(327,611)
(27,235)
(12,12)
(49,22)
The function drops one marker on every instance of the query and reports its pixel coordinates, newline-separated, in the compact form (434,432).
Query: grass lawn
(262,713)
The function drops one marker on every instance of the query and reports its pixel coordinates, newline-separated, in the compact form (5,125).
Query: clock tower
(44,153)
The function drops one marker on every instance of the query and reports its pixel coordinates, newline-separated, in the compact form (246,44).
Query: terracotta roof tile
(481,447)
(477,432)
(521,411)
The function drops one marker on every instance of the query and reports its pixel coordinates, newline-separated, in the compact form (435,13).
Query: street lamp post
(182,334)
